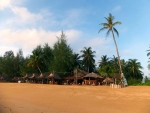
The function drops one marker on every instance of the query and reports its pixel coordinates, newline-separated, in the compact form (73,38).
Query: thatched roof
(42,76)
(26,76)
(33,76)
(92,75)
(80,74)
(107,79)
(53,75)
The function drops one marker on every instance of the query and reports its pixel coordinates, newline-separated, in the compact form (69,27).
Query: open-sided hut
(42,78)
(92,79)
(33,78)
(2,79)
(76,77)
(53,78)
(108,80)
(26,77)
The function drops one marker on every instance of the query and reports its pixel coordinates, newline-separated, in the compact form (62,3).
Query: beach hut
(92,79)
(108,80)
(2,79)
(42,78)
(76,77)
(26,77)
(33,78)
(53,78)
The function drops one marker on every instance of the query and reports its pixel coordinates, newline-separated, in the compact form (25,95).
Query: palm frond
(105,24)
(115,30)
(108,32)
(116,23)
(107,19)
(148,54)
(103,29)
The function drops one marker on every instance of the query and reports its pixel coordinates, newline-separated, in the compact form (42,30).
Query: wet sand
(44,98)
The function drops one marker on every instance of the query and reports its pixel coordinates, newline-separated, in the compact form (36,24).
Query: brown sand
(40,98)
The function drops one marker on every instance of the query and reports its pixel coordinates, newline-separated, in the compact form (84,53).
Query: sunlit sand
(44,98)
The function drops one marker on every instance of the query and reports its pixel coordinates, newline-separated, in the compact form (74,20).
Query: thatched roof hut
(92,75)
(54,76)
(26,76)
(78,75)
(108,80)
(42,76)
(33,76)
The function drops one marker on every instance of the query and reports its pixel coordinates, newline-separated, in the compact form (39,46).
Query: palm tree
(88,57)
(36,59)
(135,68)
(104,65)
(110,27)
(104,61)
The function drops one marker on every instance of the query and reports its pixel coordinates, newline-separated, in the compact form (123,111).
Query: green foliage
(88,61)
(64,58)
(133,81)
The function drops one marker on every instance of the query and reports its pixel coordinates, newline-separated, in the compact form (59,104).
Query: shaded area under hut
(93,79)
(53,78)
(42,78)
(33,78)
(26,78)
(75,78)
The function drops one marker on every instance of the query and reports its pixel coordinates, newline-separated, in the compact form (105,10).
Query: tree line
(61,59)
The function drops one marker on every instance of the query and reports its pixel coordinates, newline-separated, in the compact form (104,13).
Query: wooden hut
(2,79)
(42,78)
(92,79)
(76,77)
(107,81)
(33,78)
(26,77)
(53,78)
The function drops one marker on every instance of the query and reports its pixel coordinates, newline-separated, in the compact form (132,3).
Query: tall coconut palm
(110,27)
(88,57)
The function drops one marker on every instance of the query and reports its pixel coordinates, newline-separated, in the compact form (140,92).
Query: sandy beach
(44,98)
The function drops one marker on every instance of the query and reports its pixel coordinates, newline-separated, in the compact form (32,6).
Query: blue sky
(27,23)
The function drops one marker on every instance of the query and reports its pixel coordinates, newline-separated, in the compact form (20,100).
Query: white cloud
(23,16)
(28,39)
(4,4)
(117,8)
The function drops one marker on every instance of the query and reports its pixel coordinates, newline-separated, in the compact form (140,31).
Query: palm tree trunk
(39,69)
(117,52)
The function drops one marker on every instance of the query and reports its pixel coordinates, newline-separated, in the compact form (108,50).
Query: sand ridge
(44,98)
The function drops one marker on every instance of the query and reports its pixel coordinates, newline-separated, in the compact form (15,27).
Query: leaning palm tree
(110,27)
(88,58)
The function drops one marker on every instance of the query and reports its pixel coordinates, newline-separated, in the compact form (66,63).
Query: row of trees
(63,60)
(131,68)
(44,59)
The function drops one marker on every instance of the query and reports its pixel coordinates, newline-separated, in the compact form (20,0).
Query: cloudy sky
(24,24)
